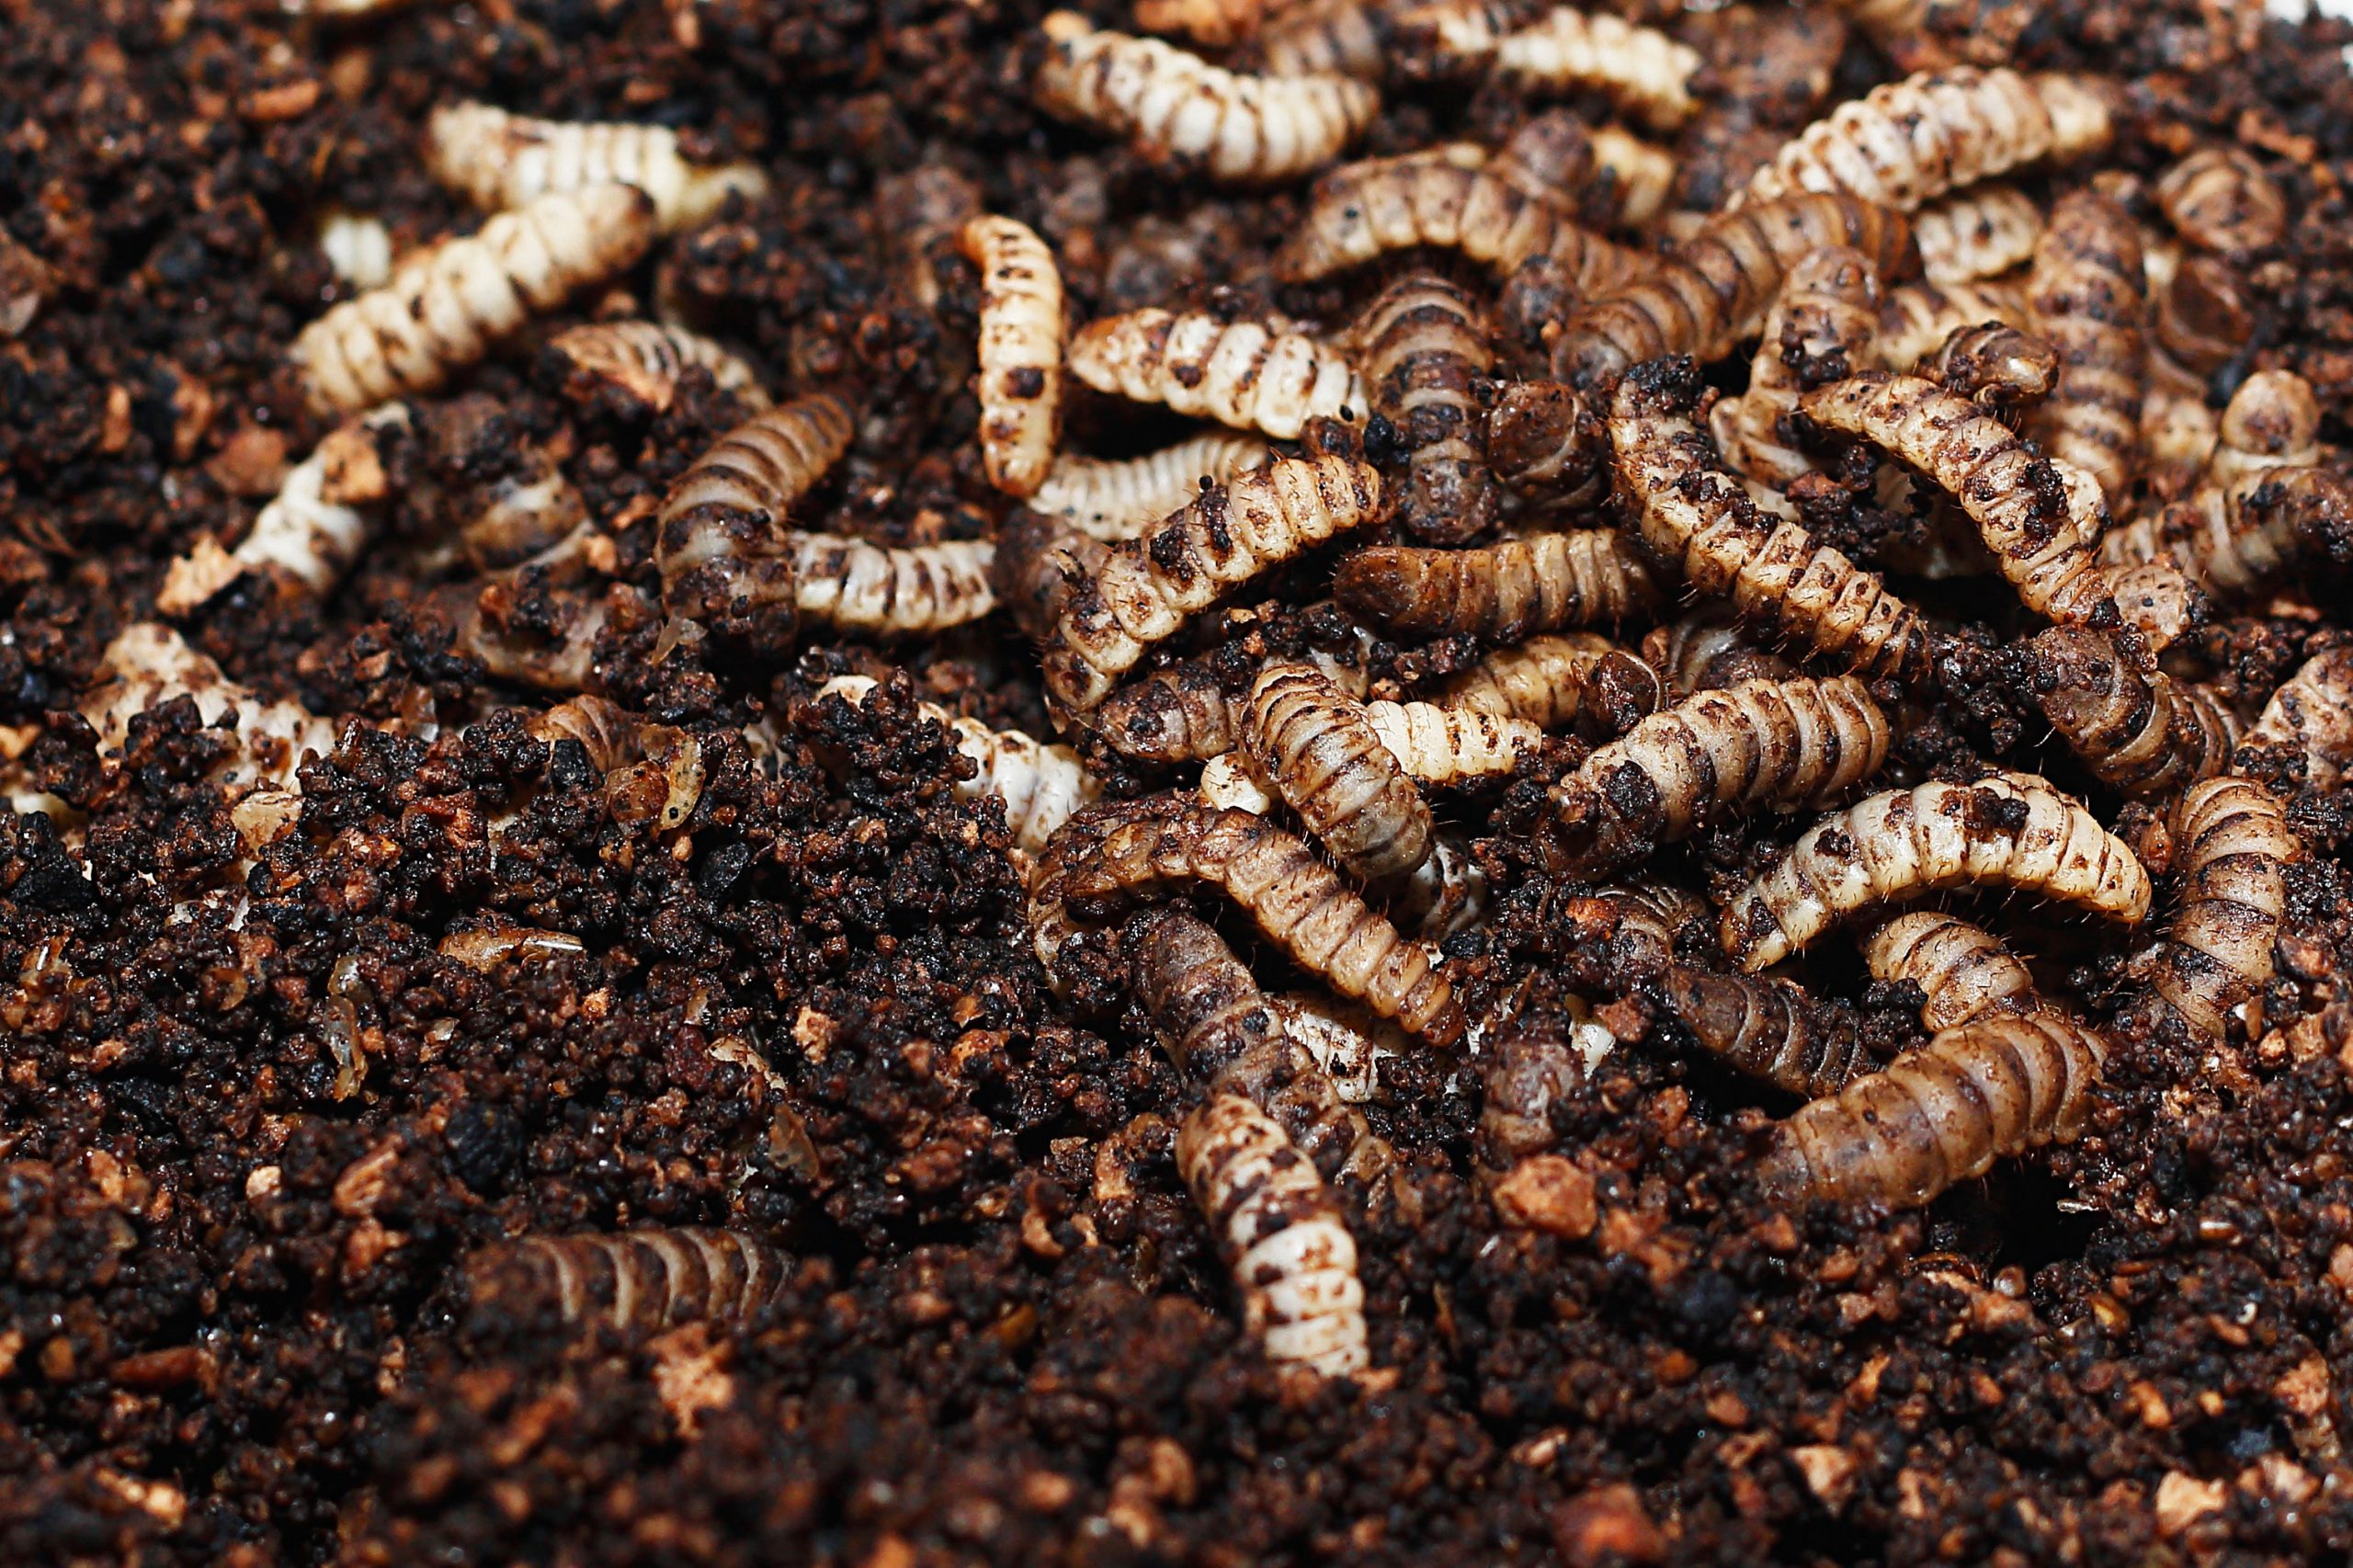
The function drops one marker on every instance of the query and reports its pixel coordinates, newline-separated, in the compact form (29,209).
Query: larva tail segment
(1020,350)
(1503,592)
(1238,373)
(1575,680)
(1915,318)
(2141,731)
(1443,746)
(1040,785)
(2312,716)
(1980,232)
(1318,748)
(909,591)
(1546,442)
(720,539)
(501,160)
(1769,1029)
(1818,330)
(634,1281)
(2008,830)
(2088,294)
(1705,650)
(1363,210)
(1762,745)
(1422,353)
(2223,200)
(1964,972)
(641,363)
(1112,501)
(2233,846)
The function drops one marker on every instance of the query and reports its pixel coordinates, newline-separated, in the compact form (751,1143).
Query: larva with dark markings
(644,361)
(2202,316)
(1503,592)
(1964,972)
(1112,501)
(1706,651)
(1318,748)
(1980,232)
(609,732)
(1020,353)
(1652,922)
(1446,894)
(500,160)
(1363,210)
(2089,295)
(556,648)
(720,538)
(2312,714)
(2141,731)
(1441,746)
(637,1281)
(2001,369)
(2009,830)
(1645,71)
(1185,713)
(1915,318)
(1572,680)
(148,665)
(1346,1041)
(1324,38)
(1819,329)
(1040,785)
(1532,1067)
(907,591)
(2221,199)
(1771,1029)
(1037,558)
(1545,441)
(1238,373)
(1422,352)
(2232,845)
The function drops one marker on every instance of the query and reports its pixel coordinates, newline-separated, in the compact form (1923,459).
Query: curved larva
(1761,746)
(1217,23)
(1184,713)
(558,654)
(2313,713)
(446,305)
(2003,370)
(1446,745)
(1964,972)
(1112,501)
(720,538)
(1238,373)
(148,664)
(1641,69)
(1281,1235)
(609,732)
(1916,317)
(1324,37)
(1819,329)
(1232,783)
(1178,109)
(1040,785)
(1020,351)
(907,591)
(1547,443)
(1146,587)
(1572,679)
(1910,141)
(2139,730)
(2200,314)
(2221,199)
(1695,515)
(1978,234)
(1706,650)
(1361,212)
(1422,353)
(1550,156)
(357,246)
(2232,845)
(1503,592)
(2088,294)
(1643,175)
(2006,830)
(1941,1114)
(1769,1029)
(1318,748)
(528,517)
(637,1281)
(499,160)
(644,361)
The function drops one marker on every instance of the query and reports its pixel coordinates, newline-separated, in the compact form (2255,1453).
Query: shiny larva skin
(1706,651)
(1767,1029)
(2141,731)
(645,360)
(1550,156)
(1318,746)
(534,516)
(2003,370)
(636,1281)
(1020,350)
(1422,352)
(1574,679)
(2008,830)
(1761,746)
(2231,846)
(1112,501)
(1980,233)
(1916,317)
(1184,713)
(1041,785)
(1819,329)
(1941,1114)
(1546,441)
(1361,212)
(1503,592)
(1178,109)
(1964,972)
(499,160)
(445,306)
(1281,1235)
(1644,175)
(2313,713)
(1440,746)
(1232,783)
(2221,199)
(1645,71)
(720,535)
(357,246)
(1146,587)
(2089,295)
(1238,373)
(907,591)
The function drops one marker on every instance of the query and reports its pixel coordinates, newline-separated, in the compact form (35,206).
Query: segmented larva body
(1231,782)
(2008,830)
(1216,23)
(2089,295)
(1503,592)
(609,732)
(644,361)
(1446,894)
(2002,369)
(1761,746)
(1707,650)
(1442,746)
(1184,713)
(2313,713)
(558,658)
(1547,443)
(1574,679)
(1146,587)
(720,536)
(1916,317)
(1020,351)
(1642,69)
(357,246)
(1910,141)
(1978,234)
(1324,37)
(1643,175)
(1238,373)
(2221,199)
(1941,1114)
(1364,210)
(1550,157)
(2139,730)
(1963,972)
(530,516)
(1041,785)
(1421,349)
(636,1281)
(2177,430)
(499,160)
(446,305)
(1112,501)
(1769,1029)
(1178,109)
(1712,290)
(1281,1235)
(1695,515)
(1318,748)
(1818,330)
(909,591)
(2233,845)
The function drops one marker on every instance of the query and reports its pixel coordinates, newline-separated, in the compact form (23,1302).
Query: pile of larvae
(1500,523)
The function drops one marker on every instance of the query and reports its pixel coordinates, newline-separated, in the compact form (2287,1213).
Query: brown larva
(499,160)
(1317,747)
(1546,441)
(2000,369)
(644,361)
(1819,329)
(1423,355)
(446,305)
(1112,501)
(1761,746)
(1363,210)
(1963,972)
(1575,679)
(2141,731)
(2009,830)
(533,516)
(1178,109)
(1040,785)
(1020,353)
(1769,1029)
(2088,297)
(1916,317)
(607,731)
(1501,593)
(1324,38)
(1706,651)
(1980,232)
(2312,714)
(908,591)
(1531,1069)
(2202,312)
(1238,373)
(2221,199)
(1550,157)
(2232,845)
(1217,23)
(637,1281)
(1185,713)
(720,538)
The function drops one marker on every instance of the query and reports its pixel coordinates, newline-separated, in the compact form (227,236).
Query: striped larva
(1712,290)
(2088,298)
(1575,679)
(909,591)
(1706,651)
(1980,232)
(148,665)
(1217,23)
(2003,370)
(1185,713)
(533,516)
(1238,373)
(1761,746)
(2221,199)
(1963,972)
(1324,38)
(1037,556)
(643,362)
(1695,515)
(446,305)
(1040,785)
(1941,1114)
(1818,330)
(608,732)
(2311,714)
(1503,592)
(498,160)
(2141,731)
(1652,922)
(1178,109)
(1915,318)
(1546,442)
(1771,1029)
(1363,210)
(1317,747)
(1145,588)
(1910,141)
(2009,830)
(1641,176)
(357,246)
(636,1281)
(556,652)
(1643,71)
(2232,845)
(1021,350)
(1112,501)
(720,538)
(1422,352)
(1281,1233)
(1446,745)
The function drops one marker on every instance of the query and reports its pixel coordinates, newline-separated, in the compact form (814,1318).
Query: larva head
(2273,413)
(1385,584)
(2000,368)
(1546,440)
(1035,556)
(1551,154)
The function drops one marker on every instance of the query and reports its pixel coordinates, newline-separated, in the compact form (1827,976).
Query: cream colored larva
(1819,329)
(1916,317)
(2311,714)
(1980,233)
(1112,501)
(1645,71)
(641,1281)
(1574,678)
(908,591)
(1020,352)
(499,160)
(720,538)
(1964,972)
(1041,785)
(1440,746)
(357,245)
(644,361)
(1316,744)
(147,665)
(1239,374)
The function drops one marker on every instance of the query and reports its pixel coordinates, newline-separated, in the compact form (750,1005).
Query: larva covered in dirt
(1761,746)
(720,538)
(2008,830)
(1941,1114)
(1145,588)
(1324,38)
(636,1281)
(2311,713)
(2141,731)
(1020,352)
(2223,200)
(1546,442)
(1769,1029)
(557,651)
(606,731)
(533,516)
(643,362)
(2000,369)
(1422,353)
(1910,141)
(1573,680)
(1281,1235)
(1980,232)
(148,664)
(1819,329)
(1041,785)
(908,591)
(1238,373)
(2087,292)
(1964,972)
(1645,71)
(499,160)
(1706,650)
(2232,845)
(1112,501)
(1363,210)
(1916,317)
(1178,109)
(446,305)
(1317,747)
(1185,713)
(1503,592)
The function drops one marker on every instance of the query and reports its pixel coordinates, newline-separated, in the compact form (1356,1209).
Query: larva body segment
(1231,782)
(559,656)
(446,305)
(1347,1042)
(1761,746)
(1941,1114)
(1324,38)
(909,591)
(609,732)
(720,538)
(1916,317)
(1422,351)
(1318,748)
(1178,109)
(1980,232)
(1645,71)
(1503,592)
(2232,845)
(2000,369)
(1184,713)
(2221,199)
(636,1281)
(1547,443)
(1217,23)
(1530,1069)
(1364,210)
(1819,329)
(1550,157)
(643,361)
(1238,373)
(1575,679)
(1446,894)
(2313,713)
(357,246)
(1281,1235)
(2140,731)
(1962,971)
(498,160)
(1643,175)
(1706,650)
(1146,587)
(2089,295)
(1442,747)
(532,516)
(148,665)
(1041,785)
(2009,830)
(1112,501)
(1769,1029)
(1020,350)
